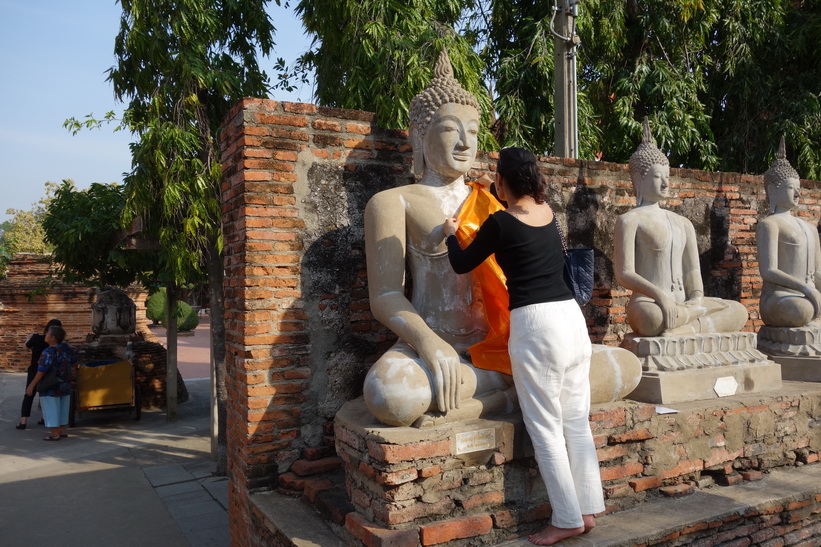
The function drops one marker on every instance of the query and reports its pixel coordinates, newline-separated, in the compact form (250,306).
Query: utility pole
(565,45)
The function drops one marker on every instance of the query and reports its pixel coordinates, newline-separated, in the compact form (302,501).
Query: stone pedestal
(797,350)
(700,366)
(476,471)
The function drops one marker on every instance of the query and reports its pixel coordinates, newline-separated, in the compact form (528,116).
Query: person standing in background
(56,400)
(36,342)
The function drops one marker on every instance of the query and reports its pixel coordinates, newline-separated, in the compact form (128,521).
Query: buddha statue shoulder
(656,257)
(789,255)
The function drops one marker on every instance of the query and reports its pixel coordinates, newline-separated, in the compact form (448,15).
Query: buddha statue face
(785,196)
(652,186)
(451,140)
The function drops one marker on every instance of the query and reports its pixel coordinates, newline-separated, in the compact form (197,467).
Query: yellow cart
(105,385)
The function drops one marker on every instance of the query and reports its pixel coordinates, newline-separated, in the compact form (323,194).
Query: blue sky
(53,60)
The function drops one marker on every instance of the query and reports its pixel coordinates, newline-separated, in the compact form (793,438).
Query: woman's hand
(450,225)
(485,180)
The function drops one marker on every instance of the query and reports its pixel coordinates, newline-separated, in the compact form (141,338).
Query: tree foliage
(180,66)
(721,80)
(88,237)
(23,233)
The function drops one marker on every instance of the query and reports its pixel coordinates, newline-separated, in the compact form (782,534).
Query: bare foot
(551,535)
(589,522)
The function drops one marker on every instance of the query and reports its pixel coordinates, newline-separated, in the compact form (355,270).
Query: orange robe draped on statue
(490,353)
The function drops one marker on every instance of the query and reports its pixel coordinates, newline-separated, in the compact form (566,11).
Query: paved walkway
(114,481)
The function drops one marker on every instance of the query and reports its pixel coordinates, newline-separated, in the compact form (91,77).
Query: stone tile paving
(196,499)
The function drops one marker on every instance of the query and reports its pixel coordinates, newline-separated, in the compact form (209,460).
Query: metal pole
(565,42)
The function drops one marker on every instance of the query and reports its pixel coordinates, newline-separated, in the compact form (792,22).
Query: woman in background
(55,401)
(36,342)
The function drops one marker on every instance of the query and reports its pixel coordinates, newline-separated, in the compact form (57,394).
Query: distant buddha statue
(656,257)
(426,376)
(789,255)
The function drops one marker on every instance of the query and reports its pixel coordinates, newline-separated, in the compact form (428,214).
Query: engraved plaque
(476,440)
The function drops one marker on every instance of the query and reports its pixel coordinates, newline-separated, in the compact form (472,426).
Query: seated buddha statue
(656,257)
(789,255)
(427,375)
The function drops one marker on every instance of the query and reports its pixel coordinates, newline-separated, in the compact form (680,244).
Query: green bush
(155,306)
(187,318)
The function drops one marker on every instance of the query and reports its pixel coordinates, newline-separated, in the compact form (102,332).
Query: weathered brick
(377,536)
(394,453)
(306,467)
(458,528)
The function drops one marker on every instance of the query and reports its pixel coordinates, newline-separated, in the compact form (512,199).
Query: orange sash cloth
(491,353)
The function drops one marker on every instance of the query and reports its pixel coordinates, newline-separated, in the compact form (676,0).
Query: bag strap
(561,233)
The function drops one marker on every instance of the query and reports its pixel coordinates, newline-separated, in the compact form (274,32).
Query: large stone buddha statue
(656,257)
(789,260)
(789,255)
(427,370)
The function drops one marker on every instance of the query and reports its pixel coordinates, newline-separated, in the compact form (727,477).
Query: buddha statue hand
(445,367)
(669,310)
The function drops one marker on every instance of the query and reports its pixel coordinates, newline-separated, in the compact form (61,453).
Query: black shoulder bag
(579,270)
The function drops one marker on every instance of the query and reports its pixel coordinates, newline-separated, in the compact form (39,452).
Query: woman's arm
(484,244)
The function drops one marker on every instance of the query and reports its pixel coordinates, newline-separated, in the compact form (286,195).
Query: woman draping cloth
(491,353)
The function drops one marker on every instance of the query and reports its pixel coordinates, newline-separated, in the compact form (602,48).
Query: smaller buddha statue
(789,254)
(656,257)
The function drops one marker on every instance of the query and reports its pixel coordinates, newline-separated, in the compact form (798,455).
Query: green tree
(180,66)
(86,231)
(721,80)
(23,233)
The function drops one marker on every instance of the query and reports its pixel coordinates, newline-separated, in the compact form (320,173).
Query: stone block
(668,387)
(799,369)
(790,341)
(694,351)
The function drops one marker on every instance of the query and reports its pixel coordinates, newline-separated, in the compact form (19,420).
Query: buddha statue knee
(789,254)
(656,257)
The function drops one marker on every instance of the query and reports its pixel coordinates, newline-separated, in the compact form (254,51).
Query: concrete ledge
(703,514)
(294,524)
(662,518)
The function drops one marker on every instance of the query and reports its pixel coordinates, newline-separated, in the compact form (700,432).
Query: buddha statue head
(444,112)
(646,164)
(781,181)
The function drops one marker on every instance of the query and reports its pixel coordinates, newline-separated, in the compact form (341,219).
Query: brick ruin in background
(300,336)
(30,296)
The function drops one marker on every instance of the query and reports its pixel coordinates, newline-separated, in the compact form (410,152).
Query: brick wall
(30,296)
(299,333)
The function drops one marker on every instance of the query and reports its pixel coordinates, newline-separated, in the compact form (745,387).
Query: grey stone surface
(300,524)
(101,480)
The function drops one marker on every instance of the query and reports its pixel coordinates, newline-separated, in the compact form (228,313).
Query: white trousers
(550,354)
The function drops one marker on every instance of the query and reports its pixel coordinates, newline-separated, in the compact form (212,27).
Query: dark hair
(52,323)
(57,332)
(521,172)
